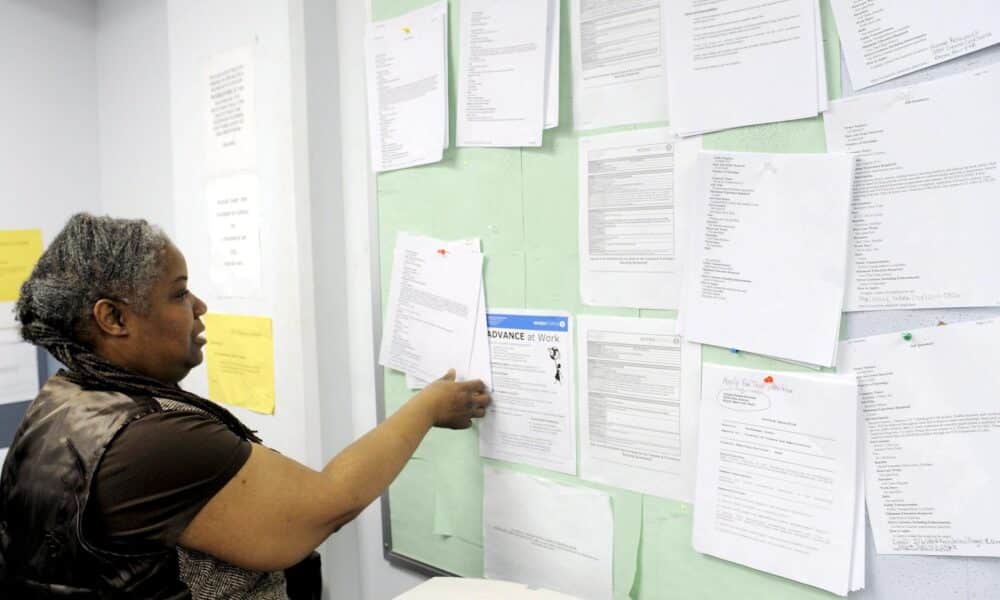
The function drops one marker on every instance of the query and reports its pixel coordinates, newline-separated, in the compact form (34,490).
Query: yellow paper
(240,357)
(19,251)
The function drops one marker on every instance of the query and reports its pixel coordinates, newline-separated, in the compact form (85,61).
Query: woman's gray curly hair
(91,258)
(94,258)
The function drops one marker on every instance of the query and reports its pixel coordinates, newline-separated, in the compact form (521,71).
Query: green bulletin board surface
(522,203)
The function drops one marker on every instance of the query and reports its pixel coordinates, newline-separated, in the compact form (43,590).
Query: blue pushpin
(734,351)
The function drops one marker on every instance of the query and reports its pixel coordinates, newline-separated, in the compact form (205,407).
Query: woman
(119,484)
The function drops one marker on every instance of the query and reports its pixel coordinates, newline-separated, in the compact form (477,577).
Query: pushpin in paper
(442,251)
(406,30)
(907,336)
(769,379)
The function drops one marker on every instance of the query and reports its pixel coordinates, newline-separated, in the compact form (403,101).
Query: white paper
(465,588)
(433,303)
(924,207)
(232,207)
(932,435)
(822,94)
(619,63)
(883,39)
(860,530)
(230,112)
(546,534)
(636,430)
(408,88)
(986,57)
(502,66)
(741,62)
(552,66)
(532,419)
(7,318)
(479,360)
(628,231)
(18,368)
(777,473)
(769,253)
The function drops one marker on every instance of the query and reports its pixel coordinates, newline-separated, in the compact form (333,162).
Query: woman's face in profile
(168,336)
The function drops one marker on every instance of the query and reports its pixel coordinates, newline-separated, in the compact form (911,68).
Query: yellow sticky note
(240,361)
(19,251)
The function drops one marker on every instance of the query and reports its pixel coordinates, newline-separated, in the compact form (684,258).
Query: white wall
(48,113)
(133,84)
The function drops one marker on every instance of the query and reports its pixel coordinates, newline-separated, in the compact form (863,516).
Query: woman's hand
(453,404)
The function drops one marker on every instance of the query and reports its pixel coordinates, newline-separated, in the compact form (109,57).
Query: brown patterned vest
(44,488)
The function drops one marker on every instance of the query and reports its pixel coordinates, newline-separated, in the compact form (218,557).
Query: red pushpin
(769,379)
(442,251)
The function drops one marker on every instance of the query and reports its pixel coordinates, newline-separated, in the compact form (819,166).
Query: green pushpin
(907,336)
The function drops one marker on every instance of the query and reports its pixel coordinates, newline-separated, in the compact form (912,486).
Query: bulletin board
(523,204)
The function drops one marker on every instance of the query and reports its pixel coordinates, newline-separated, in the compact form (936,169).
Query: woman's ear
(110,318)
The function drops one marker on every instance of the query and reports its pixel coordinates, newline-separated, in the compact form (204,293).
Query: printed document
(883,39)
(639,386)
(546,534)
(777,473)
(628,232)
(18,368)
(431,314)
(924,208)
(230,122)
(619,63)
(741,62)
(532,417)
(552,66)
(479,360)
(768,255)
(502,72)
(407,68)
(233,209)
(932,437)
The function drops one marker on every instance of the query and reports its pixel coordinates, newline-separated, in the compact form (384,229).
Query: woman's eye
(184,294)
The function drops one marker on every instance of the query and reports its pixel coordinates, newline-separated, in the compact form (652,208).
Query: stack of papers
(777,484)
(768,253)
(508,88)
(924,232)
(932,429)
(407,72)
(436,317)
(771,52)
(884,39)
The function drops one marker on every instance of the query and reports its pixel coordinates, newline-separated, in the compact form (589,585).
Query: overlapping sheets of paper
(932,429)
(407,74)
(924,209)
(436,314)
(777,483)
(768,253)
(508,87)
